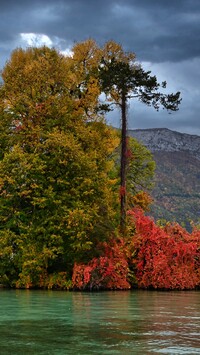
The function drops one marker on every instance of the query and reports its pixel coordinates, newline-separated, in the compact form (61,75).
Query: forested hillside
(177,180)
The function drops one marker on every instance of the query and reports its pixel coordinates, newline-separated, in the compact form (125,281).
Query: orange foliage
(141,199)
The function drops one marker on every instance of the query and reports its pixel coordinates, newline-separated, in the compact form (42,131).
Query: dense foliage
(153,258)
(56,191)
(59,186)
(108,271)
(165,258)
(59,183)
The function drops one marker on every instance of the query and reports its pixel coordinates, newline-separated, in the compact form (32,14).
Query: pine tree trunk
(123,165)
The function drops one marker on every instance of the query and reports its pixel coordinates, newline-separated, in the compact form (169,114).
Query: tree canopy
(122,78)
(54,171)
(59,181)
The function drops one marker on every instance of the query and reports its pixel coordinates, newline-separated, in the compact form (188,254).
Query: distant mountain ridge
(177,179)
(163,139)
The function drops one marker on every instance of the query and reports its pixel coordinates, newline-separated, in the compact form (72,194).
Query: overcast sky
(164,35)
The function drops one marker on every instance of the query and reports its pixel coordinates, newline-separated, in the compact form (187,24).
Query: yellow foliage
(141,199)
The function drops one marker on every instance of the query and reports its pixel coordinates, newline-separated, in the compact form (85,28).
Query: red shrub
(165,258)
(109,271)
(162,258)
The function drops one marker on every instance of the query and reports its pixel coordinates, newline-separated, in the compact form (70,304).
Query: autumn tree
(58,182)
(56,194)
(122,79)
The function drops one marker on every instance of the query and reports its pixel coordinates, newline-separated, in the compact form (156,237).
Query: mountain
(177,180)
(163,139)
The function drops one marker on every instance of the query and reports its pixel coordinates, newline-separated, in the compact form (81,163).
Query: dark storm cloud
(156,30)
(164,34)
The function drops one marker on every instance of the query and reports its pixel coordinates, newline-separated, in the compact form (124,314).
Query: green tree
(140,172)
(122,79)
(141,167)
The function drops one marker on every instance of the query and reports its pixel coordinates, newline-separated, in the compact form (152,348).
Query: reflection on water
(130,322)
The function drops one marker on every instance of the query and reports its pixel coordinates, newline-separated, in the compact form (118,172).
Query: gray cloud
(164,34)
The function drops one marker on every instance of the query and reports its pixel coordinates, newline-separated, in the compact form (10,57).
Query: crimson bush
(160,257)
(108,271)
(165,258)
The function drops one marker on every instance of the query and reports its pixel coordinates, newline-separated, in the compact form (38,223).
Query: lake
(124,322)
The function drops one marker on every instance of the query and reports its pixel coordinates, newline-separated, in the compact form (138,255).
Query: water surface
(129,322)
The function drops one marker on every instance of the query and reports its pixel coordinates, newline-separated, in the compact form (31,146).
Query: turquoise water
(130,322)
